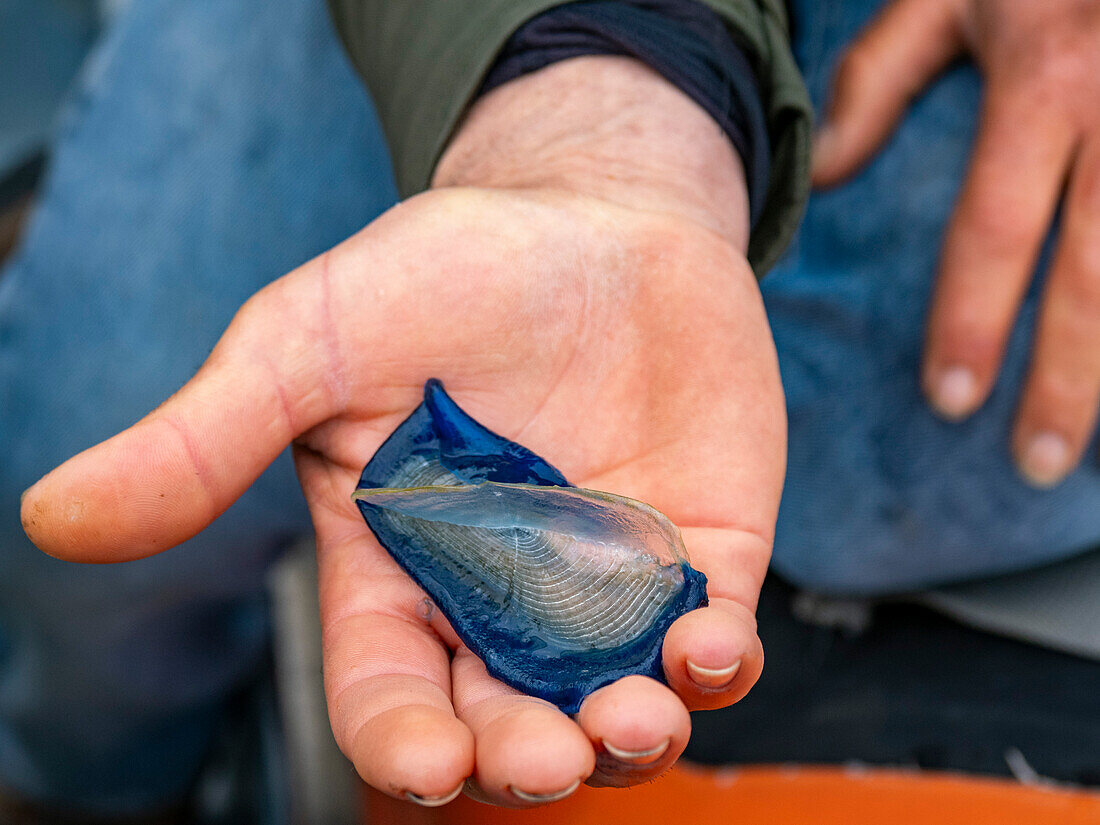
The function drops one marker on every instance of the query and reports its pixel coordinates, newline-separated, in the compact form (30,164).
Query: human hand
(1040,126)
(593,306)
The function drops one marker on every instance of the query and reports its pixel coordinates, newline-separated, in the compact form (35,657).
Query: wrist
(604,127)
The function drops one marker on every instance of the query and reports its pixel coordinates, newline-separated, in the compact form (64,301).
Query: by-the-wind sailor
(559,590)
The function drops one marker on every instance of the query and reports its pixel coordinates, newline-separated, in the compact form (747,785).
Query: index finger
(1007,202)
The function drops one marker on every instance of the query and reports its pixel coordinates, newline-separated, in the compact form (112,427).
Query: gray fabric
(1057,606)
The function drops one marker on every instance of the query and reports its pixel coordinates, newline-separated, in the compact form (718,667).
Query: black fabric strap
(683,40)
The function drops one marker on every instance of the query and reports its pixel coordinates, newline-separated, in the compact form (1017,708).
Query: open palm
(628,348)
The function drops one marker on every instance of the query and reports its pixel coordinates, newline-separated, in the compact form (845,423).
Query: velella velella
(559,590)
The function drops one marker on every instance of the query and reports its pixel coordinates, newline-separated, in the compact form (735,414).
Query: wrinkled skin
(627,345)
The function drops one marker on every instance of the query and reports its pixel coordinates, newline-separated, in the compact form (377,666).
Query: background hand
(613,327)
(1040,126)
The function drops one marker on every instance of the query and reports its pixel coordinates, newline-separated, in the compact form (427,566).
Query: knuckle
(996,223)
(1059,59)
(262,307)
(254,309)
(1061,69)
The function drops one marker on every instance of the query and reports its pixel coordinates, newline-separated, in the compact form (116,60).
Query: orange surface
(778,796)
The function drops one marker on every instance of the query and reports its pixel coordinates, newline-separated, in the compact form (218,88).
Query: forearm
(608,128)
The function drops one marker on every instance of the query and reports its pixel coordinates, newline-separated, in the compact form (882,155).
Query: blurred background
(162,160)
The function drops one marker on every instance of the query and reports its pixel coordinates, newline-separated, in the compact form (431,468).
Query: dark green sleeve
(424,60)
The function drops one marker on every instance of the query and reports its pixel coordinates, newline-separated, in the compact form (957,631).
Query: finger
(991,247)
(387,671)
(713,656)
(638,727)
(881,72)
(528,752)
(275,373)
(386,685)
(1058,410)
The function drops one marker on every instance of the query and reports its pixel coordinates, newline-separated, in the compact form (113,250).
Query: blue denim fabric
(882,496)
(42,44)
(211,146)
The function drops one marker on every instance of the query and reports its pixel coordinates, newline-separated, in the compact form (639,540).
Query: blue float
(559,590)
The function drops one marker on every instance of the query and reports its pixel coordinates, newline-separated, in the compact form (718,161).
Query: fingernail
(546,797)
(638,757)
(710,677)
(434,801)
(1045,459)
(954,392)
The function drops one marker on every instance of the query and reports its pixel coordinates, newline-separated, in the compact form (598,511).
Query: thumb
(887,65)
(274,374)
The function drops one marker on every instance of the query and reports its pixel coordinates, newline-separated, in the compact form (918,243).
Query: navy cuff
(682,40)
